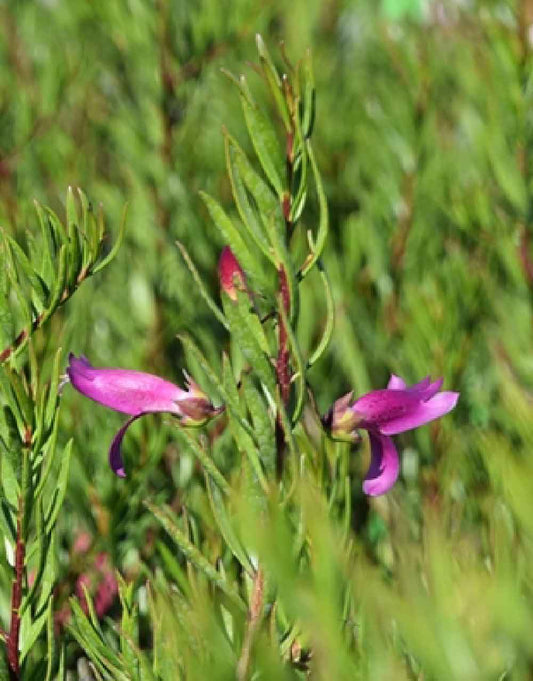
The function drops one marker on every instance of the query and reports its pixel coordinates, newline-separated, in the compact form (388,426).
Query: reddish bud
(230,273)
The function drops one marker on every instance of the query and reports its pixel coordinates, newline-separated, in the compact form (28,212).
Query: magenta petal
(124,390)
(420,413)
(381,406)
(115,457)
(426,392)
(384,465)
(421,386)
(396,383)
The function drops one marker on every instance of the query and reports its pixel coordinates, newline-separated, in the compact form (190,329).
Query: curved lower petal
(420,414)
(384,465)
(115,456)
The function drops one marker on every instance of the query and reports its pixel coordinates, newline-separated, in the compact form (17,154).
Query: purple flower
(384,413)
(136,393)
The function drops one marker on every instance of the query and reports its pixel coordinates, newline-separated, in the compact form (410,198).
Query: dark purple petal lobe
(384,465)
(115,456)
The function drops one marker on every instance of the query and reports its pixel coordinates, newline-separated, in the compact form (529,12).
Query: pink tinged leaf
(419,414)
(384,465)
(115,456)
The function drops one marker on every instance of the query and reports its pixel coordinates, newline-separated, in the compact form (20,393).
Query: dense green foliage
(424,140)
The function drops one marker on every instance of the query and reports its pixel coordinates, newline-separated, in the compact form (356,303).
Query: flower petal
(425,389)
(115,457)
(384,465)
(381,406)
(124,390)
(396,383)
(420,413)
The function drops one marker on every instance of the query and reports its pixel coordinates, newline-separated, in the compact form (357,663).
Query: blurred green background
(424,137)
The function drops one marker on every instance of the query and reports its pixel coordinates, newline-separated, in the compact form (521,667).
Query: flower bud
(341,421)
(230,274)
(196,407)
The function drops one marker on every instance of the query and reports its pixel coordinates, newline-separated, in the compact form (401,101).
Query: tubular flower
(384,413)
(136,393)
(230,273)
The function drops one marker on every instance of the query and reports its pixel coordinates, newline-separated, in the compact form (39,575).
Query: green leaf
(201,286)
(246,444)
(263,425)
(246,210)
(116,246)
(317,244)
(90,639)
(232,236)
(75,255)
(193,555)
(223,521)
(308,96)
(59,286)
(197,450)
(299,366)
(330,319)
(189,345)
(244,333)
(10,483)
(34,631)
(89,234)
(263,139)
(274,81)
(61,488)
(127,625)
(48,246)
(35,283)
(50,640)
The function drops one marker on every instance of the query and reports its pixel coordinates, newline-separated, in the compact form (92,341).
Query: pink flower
(383,413)
(136,393)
